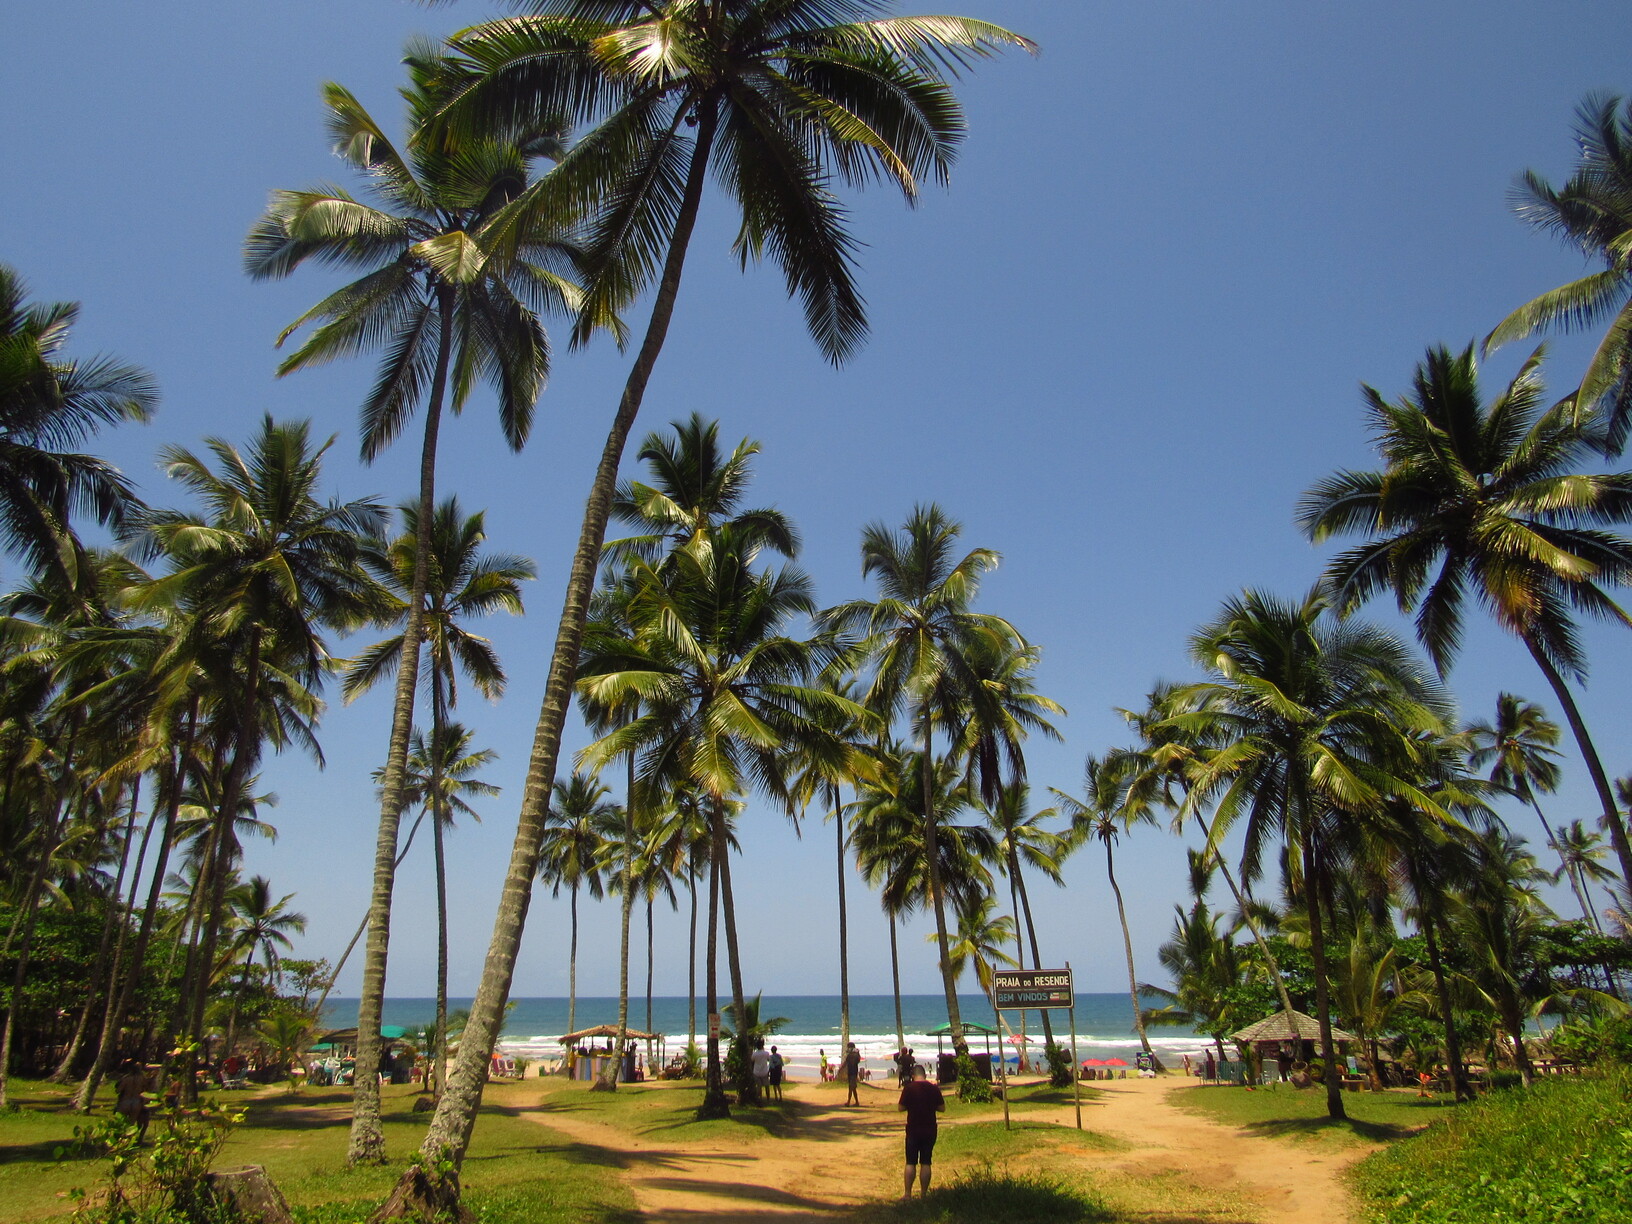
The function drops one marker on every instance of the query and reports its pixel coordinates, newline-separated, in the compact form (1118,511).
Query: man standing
(920,1101)
(759,1062)
(852,1073)
(776,1073)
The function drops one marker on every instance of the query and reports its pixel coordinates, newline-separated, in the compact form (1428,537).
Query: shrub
(972,1085)
(1059,1065)
(984,1195)
(1595,1039)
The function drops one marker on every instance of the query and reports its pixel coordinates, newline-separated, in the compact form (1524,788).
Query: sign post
(1043,989)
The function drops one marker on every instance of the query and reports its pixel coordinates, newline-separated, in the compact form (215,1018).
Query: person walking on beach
(920,1101)
(852,1073)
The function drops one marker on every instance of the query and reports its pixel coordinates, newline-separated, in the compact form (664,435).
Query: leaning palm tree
(450,313)
(920,641)
(1493,498)
(774,98)
(48,402)
(1317,723)
(1593,213)
(1580,851)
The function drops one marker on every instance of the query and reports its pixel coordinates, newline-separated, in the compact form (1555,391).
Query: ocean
(811,1025)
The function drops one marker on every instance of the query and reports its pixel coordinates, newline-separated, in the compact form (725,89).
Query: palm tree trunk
(691,964)
(1611,817)
(895,986)
(1127,948)
(367,1142)
(572,967)
(932,855)
(1036,956)
(746,1089)
(1323,997)
(1013,864)
(608,1081)
(1246,916)
(440,816)
(844,930)
(714,1103)
(114,915)
(449,1134)
(113,1022)
(649,964)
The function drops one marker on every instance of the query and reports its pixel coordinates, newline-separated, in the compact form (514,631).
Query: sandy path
(826,1159)
(1263,1180)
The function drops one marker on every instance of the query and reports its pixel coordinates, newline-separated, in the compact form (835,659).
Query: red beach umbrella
(1115,1062)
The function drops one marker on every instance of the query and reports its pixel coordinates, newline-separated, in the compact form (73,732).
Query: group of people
(766,1066)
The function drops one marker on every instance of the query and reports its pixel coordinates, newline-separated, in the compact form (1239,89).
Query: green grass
(1560,1151)
(1281,1111)
(983,1195)
(517,1171)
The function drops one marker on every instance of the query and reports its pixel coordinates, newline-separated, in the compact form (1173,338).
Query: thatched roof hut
(608,1031)
(1285,1026)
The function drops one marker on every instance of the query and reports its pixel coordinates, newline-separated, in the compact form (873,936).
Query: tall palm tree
(1492,496)
(920,639)
(1317,723)
(982,932)
(1579,852)
(48,402)
(258,577)
(1592,212)
(579,824)
(782,96)
(1103,816)
(258,924)
(450,312)
(1023,840)
(440,782)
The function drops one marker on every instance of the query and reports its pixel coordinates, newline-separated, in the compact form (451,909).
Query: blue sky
(1117,348)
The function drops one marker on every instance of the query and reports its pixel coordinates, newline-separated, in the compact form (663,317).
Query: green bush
(985,1195)
(166,1184)
(972,1085)
(1059,1065)
(1595,1039)
(1559,1151)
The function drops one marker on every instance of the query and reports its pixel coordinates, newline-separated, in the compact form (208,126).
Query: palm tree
(256,578)
(578,825)
(1316,723)
(259,923)
(1579,852)
(47,403)
(781,96)
(1492,495)
(440,782)
(722,692)
(1518,747)
(450,312)
(1593,213)
(921,639)
(982,932)
(1104,817)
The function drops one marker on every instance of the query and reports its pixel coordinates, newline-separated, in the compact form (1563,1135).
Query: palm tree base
(714,1105)
(424,1196)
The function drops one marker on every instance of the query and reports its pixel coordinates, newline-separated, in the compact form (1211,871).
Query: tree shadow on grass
(1376,1132)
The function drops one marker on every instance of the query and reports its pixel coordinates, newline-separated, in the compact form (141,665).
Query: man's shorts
(921,1149)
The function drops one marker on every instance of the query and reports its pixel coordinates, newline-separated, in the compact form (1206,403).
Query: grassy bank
(518,1171)
(1560,1151)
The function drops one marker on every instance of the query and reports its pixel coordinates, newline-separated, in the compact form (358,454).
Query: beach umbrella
(1116,1062)
(1093,1062)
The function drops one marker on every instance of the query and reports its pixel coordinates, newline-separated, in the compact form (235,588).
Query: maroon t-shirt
(922,1100)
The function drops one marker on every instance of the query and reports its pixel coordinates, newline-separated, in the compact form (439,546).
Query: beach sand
(1169,1166)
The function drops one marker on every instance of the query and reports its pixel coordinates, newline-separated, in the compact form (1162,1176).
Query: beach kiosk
(946,1065)
(1272,1036)
(586,1064)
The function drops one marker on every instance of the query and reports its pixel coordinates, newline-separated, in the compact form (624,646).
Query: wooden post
(1002,1067)
(1076,1071)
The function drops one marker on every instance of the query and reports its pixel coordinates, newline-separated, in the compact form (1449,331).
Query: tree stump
(420,1197)
(424,1103)
(251,1195)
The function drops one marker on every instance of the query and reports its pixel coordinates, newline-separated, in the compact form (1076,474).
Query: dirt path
(1256,1179)
(819,1159)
